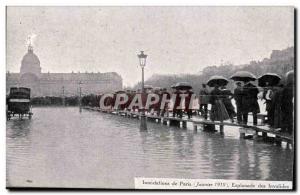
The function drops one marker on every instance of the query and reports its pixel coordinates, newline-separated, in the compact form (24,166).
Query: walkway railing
(246,131)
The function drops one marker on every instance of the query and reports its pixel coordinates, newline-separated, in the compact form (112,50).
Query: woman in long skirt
(218,110)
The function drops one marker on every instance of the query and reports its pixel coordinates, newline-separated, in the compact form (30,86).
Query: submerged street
(61,147)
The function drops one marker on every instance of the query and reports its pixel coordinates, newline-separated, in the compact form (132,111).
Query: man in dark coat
(226,98)
(166,106)
(177,111)
(287,108)
(203,101)
(249,102)
(276,106)
(238,95)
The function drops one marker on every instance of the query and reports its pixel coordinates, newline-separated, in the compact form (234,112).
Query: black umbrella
(149,87)
(271,78)
(217,80)
(157,88)
(182,86)
(120,91)
(243,76)
(146,87)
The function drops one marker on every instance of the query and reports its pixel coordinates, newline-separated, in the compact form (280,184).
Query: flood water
(60,147)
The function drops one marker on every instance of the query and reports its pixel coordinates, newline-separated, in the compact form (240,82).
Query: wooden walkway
(246,131)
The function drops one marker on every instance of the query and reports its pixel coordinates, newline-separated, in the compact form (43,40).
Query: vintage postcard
(197,98)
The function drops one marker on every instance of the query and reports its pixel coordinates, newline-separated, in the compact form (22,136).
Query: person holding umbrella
(238,95)
(218,110)
(246,97)
(268,81)
(276,105)
(177,111)
(166,105)
(156,106)
(203,101)
(226,98)
(249,102)
(181,86)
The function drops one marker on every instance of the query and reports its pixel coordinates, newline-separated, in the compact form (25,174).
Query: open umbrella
(148,87)
(120,91)
(182,86)
(271,78)
(217,80)
(157,88)
(243,76)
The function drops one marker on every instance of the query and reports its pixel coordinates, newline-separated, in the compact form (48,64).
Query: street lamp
(79,95)
(142,57)
(63,96)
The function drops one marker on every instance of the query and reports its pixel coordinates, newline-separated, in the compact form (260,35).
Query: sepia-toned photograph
(150,97)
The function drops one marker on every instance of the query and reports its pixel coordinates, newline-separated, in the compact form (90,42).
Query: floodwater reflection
(61,147)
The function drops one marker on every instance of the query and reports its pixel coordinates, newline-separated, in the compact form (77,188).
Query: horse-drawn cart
(18,103)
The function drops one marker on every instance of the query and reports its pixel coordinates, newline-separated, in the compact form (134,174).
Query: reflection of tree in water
(249,165)
(153,141)
(184,154)
(222,157)
(183,144)
(155,144)
(264,162)
(162,146)
(282,169)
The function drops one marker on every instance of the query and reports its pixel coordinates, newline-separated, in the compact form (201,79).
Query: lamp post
(63,96)
(142,57)
(80,109)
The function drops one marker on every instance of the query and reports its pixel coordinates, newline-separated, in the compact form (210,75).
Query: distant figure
(203,101)
(288,108)
(249,102)
(187,102)
(276,106)
(165,109)
(130,98)
(177,111)
(238,95)
(218,110)
(226,98)
(267,96)
(155,107)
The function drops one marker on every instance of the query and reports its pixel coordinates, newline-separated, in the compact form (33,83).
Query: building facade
(60,84)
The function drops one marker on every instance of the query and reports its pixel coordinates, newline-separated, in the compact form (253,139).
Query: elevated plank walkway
(263,129)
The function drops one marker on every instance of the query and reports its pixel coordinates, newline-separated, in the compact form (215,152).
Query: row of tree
(280,62)
(54,101)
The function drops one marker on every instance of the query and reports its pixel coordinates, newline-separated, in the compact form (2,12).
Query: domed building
(30,63)
(59,84)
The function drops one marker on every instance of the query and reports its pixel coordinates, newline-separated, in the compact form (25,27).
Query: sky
(176,39)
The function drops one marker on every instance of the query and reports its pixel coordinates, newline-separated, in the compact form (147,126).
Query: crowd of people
(278,100)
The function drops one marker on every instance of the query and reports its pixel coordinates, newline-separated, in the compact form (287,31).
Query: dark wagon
(18,103)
